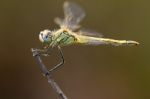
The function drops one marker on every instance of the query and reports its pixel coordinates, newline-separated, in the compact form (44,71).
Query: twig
(48,75)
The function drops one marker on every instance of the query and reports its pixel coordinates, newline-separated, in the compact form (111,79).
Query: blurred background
(90,72)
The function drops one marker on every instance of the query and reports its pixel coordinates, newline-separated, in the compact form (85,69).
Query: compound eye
(46,36)
(41,34)
(49,33)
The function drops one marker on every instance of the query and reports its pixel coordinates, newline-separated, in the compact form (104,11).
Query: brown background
(102,72)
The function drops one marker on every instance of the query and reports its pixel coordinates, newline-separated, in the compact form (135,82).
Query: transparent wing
(73,14)
(89,32)
(59,21)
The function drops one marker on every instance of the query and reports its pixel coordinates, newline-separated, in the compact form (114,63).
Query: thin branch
(48,75)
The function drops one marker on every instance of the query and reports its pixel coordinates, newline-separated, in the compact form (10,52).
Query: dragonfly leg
(62,60)
(43,52)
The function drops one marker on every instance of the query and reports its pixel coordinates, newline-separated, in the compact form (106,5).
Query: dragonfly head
(45,36)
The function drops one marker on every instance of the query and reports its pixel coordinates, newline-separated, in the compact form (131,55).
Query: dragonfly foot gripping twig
(48,75)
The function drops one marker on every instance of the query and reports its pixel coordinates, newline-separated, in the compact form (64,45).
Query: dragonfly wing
(59,21)
(89,32)
(73,14)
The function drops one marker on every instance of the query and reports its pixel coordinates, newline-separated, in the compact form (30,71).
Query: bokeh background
(90,72)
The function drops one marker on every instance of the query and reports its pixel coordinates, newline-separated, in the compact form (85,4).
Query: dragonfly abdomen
(88,40)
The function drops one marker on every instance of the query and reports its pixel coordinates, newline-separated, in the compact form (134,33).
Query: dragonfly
(70,33)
